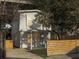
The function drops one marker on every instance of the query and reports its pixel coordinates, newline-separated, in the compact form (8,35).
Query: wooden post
(31,43)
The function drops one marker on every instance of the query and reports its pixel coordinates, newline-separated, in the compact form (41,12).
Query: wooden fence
(55,47)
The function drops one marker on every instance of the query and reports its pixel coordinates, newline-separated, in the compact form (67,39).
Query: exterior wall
(55,47)
(26,20)
(30,19)
(23,22)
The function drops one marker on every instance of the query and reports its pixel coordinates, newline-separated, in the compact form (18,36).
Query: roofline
(27,11)
(18,1)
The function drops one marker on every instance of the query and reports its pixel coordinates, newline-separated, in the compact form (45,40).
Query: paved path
(20,54)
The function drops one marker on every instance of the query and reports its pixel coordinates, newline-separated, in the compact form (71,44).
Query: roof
(18,1)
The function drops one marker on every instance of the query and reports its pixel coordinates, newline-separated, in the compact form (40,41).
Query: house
(32,34)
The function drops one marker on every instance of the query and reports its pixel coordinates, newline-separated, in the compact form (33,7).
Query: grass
(40,52)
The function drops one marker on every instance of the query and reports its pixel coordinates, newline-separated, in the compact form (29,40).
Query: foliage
(61,15)
(8,11)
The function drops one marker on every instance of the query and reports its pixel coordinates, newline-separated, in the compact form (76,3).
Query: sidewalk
(73,56)
(24,54)
(58,57)
(20,54)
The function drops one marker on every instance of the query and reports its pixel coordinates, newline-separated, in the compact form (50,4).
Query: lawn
(40,52)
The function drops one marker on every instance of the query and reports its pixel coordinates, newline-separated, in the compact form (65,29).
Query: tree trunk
(58,36)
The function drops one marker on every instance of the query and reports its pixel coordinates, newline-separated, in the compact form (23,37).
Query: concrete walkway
(20,54)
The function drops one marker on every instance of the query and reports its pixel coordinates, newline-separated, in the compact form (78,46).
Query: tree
(8,11)
(61,15)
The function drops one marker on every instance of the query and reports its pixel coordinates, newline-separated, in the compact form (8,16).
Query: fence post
(31,43)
